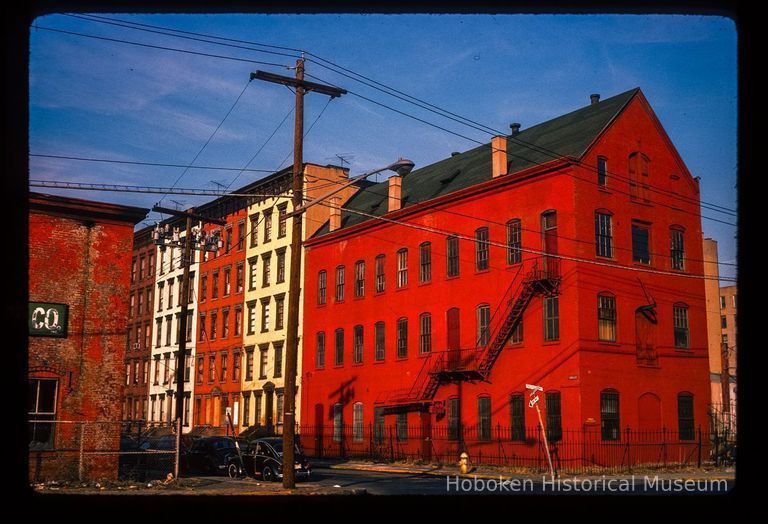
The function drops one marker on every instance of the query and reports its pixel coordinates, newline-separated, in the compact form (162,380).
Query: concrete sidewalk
(486,472)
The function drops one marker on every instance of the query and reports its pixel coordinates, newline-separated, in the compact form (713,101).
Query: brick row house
(166,333)
(138,348)
(559,256)
(79,286)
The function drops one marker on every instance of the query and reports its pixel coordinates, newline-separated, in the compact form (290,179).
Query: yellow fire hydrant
(463,463)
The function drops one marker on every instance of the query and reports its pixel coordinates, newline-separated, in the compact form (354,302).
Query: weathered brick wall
(86,266)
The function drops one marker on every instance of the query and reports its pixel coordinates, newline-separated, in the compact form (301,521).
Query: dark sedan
(264,460)
(215,455)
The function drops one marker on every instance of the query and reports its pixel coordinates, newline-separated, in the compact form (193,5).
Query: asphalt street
(380,483)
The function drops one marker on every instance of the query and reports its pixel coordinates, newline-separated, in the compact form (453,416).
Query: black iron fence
(572,451)
(723,430)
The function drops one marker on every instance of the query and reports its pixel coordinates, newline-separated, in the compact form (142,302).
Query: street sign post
(534,403)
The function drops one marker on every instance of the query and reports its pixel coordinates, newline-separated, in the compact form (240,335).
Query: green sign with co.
(47,319)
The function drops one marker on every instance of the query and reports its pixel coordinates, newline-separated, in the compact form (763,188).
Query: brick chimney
(499,156)
(335,219)
(395,200)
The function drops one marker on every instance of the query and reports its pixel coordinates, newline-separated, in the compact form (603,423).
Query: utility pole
(181,358)
(292,329)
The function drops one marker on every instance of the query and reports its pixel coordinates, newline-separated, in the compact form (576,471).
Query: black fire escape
(542,277)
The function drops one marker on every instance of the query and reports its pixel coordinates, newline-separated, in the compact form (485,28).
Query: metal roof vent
(515,127)
(594,98)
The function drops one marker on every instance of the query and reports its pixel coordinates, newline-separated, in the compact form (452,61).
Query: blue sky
(100,99)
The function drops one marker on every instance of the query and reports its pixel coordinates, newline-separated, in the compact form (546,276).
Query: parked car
(215,455)
(263,459)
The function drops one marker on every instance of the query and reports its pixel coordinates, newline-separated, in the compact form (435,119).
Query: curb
(440,473)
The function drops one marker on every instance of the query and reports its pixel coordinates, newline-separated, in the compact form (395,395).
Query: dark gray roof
(567,135)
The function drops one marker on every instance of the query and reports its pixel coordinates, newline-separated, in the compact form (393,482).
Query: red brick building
(567,255)
(138,348)
(79,281)
(220,323)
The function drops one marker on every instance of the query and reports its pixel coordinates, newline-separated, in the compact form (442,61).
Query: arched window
(609,415)
(380,276)
(425,262)
(514,241)
(481,249)
(402,267)
(339,283)
(680,316)
(402,338)
(357,345)
(338,422)
(484,418)
(425,333)
(379,341)
(357,421)
(359,278)
(606,317)
(483,324)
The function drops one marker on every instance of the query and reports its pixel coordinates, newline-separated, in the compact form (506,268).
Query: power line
(487,129)
(489,221)
(212,135)
(306,133)
(127,26)
(527,250)
(387,90)
(419,103)
(262,147)
(187,51)
(156,164)
(485,144)
(271,46)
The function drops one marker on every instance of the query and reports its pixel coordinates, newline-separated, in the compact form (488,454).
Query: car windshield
(223,444)
(278,447)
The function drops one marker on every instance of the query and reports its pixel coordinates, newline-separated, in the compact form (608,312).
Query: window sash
(677,249)
(357,349)
(551,319)
(380,276)
(425,337)
(606,318)
(481,249)
(359,279)
(320,350)
(517,416)
(340,283)
(402,268)
(603,235)
(514,242)
(641,244)
(425,265)
(402,338)
(452,256)
(379,337)
(339,348)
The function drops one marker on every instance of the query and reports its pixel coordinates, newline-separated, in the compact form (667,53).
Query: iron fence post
(81,465)
(698,461)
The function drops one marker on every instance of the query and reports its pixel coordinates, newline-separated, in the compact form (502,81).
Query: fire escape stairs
(476,364)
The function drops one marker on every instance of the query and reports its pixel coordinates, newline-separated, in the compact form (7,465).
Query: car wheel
(268,474)
(233,471)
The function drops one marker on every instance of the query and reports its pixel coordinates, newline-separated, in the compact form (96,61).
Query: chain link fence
(65,450)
